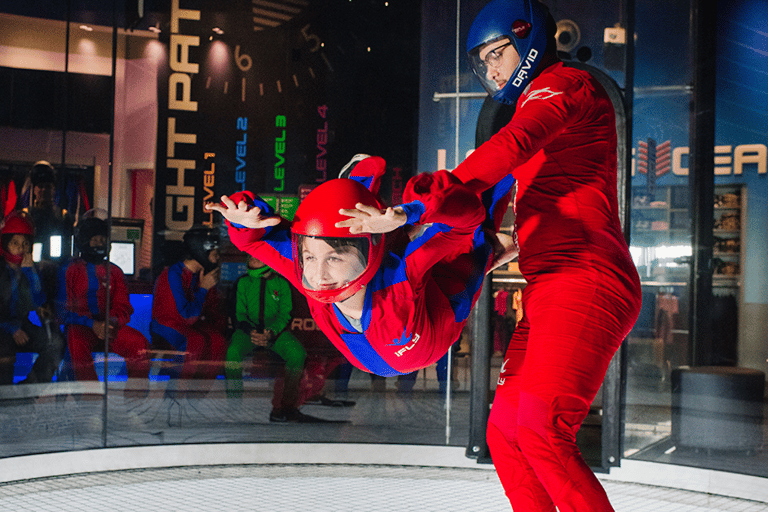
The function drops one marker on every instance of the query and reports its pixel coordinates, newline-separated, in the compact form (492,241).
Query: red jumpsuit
(583,292)
(190,319)
(86,302)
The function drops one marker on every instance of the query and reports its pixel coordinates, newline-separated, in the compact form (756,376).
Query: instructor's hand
(367,219)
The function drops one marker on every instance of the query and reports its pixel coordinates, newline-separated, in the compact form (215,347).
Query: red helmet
(16,223)
(316,218)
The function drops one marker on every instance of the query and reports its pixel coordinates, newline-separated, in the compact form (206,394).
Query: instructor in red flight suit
(583,292)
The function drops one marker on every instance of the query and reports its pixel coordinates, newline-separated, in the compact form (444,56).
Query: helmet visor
(494,63)
(327,264)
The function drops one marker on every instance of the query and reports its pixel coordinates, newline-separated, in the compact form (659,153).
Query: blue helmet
(521,23)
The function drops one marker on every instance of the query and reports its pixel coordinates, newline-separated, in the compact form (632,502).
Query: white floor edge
(115,459)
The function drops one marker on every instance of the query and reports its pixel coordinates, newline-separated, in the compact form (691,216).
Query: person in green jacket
(263,313)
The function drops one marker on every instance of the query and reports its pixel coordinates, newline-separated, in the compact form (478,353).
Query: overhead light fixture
(155,29)
(86,28)
(217,30)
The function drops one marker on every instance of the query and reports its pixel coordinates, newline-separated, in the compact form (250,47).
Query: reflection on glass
(37,252)
(56,246)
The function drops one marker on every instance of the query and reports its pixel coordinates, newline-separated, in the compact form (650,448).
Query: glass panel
(65,118)
(341,95)
(713,416)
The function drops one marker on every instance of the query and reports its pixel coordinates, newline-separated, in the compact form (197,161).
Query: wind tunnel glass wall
(236,101)
(201,106)
(711,416)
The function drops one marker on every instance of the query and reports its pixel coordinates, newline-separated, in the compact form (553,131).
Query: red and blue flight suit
(86,280)
(418,300)
(190,319)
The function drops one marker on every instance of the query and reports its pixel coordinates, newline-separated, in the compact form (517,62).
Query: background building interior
(276,98)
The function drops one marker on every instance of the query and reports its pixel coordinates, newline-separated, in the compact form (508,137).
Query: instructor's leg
(521,485)
(577,322)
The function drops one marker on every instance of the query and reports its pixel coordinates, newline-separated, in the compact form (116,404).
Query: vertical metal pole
(480,373)
(614,384)
(449,364)
(108,265)
(625,200)
(701,176)
(65,115)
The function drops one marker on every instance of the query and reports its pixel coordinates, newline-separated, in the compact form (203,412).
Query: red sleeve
(164,308)
(555,100)
(213,309)
(452,214)
(120,304)
(446,201)
(272,245)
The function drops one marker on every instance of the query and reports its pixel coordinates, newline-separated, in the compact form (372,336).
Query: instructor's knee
(551,427)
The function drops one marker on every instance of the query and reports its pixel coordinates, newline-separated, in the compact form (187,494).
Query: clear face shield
(331,264)
(494,63)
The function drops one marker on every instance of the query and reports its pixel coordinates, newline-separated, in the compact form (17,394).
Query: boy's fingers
(347,223)
(227,202)
(351,212)
(370,210)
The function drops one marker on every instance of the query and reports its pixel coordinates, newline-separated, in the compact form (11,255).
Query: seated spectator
(22,298)
(262,317)
(187,314)
(86,315)
(323,359)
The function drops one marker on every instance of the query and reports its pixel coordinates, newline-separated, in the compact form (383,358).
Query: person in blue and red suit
(583,292)
(187,312)
(26,321)
(86,319)
(390,287)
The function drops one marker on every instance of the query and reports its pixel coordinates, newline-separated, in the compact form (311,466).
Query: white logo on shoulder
(502,380)
(540,94)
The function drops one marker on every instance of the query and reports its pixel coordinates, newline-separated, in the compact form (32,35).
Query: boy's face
(18,245)
(328,268)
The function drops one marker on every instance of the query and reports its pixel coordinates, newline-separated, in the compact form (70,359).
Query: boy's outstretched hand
(242,213)
(367,219)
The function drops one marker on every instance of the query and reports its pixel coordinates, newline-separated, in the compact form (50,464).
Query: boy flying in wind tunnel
(392,301)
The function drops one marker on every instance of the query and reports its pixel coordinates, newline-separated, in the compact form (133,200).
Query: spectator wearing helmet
(187,314)
(21,295)
(583,293)
(87,322)
(392,301)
